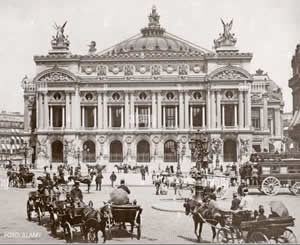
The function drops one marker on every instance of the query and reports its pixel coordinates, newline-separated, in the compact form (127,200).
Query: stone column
(63,116)
(76,112)
(110,117)
(68,112)
(164,117)
(213,109)
(95,116)
(132,112)
(181,110)
(277,122)
(122,116)
(266,126)
(186,110)
(208,113)
(153,110)
(37,108)
(247,109)
(136,116)
(149,116)
(159,98)
(73,101)
(51,116)
(235,116)
(218,108)
(100,111)
(41,114)
(241,109)
(105,123)
(126,110)
(203,116)
(223,115)
(176,116)
(191,117)
(46,111)
(82,116)
(261,119)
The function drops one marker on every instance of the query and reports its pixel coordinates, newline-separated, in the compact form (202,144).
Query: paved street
(157,226)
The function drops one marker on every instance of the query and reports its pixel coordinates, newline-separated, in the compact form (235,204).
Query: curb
(167,210)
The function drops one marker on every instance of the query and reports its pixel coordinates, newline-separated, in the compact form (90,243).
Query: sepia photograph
(149,121)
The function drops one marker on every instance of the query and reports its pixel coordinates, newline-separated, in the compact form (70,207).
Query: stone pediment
(229,73)
(55,75)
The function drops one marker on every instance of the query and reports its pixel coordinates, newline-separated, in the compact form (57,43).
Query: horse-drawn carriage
(275,171)
(251,230)
(21,178)
(128,214)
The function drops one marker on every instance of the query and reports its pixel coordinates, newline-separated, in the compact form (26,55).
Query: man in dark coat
(76,192)
(235,204)
(99,178)
(123,186)
(113,178)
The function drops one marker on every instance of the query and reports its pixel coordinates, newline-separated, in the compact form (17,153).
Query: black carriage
(69,218)
(275,171)
(270,230)
(123,215)
(34,206)
(24,178)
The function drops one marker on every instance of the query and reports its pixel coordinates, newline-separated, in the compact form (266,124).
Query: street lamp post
(77,154)
(25,153)
(199,148)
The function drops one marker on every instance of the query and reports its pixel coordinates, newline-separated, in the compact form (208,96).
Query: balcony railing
(170,157)
(143,157)
(116,157)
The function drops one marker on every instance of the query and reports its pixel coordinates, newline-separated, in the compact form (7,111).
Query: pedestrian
(254,175)
(71,171)
(147,169)
(45,169)
(172,169)
(143,173)
(99,178)
(235,204)
(175,185)
(167,169)
(153,177)
(157,184)
(113,178)
(51,167)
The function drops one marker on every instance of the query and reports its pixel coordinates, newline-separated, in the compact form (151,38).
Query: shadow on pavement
(193,240)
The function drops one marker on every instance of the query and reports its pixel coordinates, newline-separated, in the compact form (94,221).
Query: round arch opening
(230,151)
(57,151)
(89,151)
(143,151)
(116,151)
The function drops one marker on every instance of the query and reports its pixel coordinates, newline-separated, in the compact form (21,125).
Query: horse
(201,214)
(12,178)
(95,221)
(120,167)
(82,179)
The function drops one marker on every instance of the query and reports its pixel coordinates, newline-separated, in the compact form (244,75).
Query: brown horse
(201,214)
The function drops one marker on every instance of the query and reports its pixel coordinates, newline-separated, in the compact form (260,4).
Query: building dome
(154,38)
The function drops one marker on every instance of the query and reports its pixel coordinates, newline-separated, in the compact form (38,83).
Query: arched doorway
(230,153)
(170,154)
(89,151)
(57,150)
(143,151)
(116,151)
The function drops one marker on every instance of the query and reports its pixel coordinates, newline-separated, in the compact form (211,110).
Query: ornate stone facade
(132,102)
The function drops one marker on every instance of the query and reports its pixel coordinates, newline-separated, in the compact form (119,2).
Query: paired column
(203,116)
(105,111)
(46,111)
(110,117)
(265,113)
(241,109)
(223,115)
(95,116)
(159,109)
(63,117)
(153,110)
(41,114)
(186,110)
(132,112)
(164,117)
(82,117)
(235,116)
(191,117)
(181,110)
(176,117)
(149,117)
(277,122)
(208,112)
(213,109)
(122,117)
(218,109)
(100,111)
(261,118)
(51,116)
(247,109)
(126,110)
(68,111)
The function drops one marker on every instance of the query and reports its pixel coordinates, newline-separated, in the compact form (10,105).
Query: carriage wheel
(295,189)
(29,211)
(53,224)
(92,235)
(257,237)
(39,213)
(139,232)
(288,236)
(68,232)
(270,186)
(225,236)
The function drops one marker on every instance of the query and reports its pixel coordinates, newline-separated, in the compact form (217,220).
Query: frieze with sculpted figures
(168,68)
(128,70)
(155,71)
(115,69)
(229,75)
(88,69)
(55,77)
(142,69)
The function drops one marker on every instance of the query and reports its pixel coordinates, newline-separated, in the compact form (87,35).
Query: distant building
(294,84)
(11,136)
(133,103)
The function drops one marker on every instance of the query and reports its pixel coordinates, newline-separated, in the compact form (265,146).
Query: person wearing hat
(261,213)
(76,193)
(246,201)
(123,186)
(235,204)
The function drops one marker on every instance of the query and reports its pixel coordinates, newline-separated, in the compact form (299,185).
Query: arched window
(143,151)
(116,151)
(89,151)
(170,154)
(57,150)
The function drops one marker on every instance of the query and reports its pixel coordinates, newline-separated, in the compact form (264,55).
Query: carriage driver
(76,193)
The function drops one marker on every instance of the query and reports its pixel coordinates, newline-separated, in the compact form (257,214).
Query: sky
(270,29)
